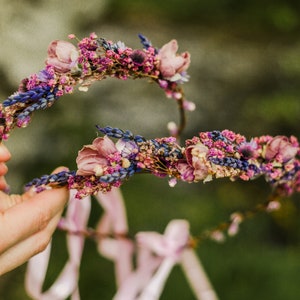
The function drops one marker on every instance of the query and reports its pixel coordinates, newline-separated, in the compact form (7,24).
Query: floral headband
(112,159)
(105,164)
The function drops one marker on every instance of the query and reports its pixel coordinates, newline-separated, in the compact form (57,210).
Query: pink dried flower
(163,83)
(71,36)
(93,35)
(92,159)
(126,148)
(173,128)
(169,62)
(280,147)
(273,206)
(186,171)
(62,56)
(236,219)
(188,105)
(196,158)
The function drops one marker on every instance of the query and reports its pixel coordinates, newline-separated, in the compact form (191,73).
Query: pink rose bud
(92,159)
(71,36)
(280,147)
(196,158)
(62,56)
(170,62)
(173,128)
(188,105)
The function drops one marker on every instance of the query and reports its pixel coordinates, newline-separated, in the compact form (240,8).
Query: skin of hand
(27,221)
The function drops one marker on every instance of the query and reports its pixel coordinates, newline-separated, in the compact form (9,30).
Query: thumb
(32,193)
(7,201)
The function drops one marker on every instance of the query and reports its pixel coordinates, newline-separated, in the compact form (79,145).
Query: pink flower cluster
(96,59)
(278,158)
(203,152)
(116,60)
(226,154)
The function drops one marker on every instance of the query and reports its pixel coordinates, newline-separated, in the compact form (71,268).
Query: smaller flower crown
(93,60)
(211,155)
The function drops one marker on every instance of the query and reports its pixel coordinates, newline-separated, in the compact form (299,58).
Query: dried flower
(248,149)
(281,148)
(196,158)
(169,62)
(62,56)
(92,159)
(186,171)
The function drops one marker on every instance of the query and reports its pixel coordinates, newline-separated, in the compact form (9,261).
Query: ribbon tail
(196,276)
(154,289)
(36,273)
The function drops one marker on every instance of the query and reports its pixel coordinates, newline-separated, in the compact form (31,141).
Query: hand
(4,157)
(27,221)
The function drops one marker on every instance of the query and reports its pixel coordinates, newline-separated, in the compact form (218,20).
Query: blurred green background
(245,76)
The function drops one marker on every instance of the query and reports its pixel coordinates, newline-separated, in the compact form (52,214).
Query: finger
(29,217)
(3,184)
(21,252)
(4,153)
(3,168)
(7,201)
(4,156)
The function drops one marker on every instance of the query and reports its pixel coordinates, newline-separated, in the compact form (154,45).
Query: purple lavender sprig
(17,109)
(52,180)
(145,42)
(118,133)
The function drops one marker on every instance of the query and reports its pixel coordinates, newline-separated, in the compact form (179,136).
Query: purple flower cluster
(92,60)
(210,155)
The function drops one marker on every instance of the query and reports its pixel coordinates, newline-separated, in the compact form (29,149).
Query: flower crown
(105,164)
(94,59)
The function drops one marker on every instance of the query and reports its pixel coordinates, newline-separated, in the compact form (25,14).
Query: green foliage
(278,16)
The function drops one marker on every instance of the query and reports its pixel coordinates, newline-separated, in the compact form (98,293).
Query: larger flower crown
(105,164)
